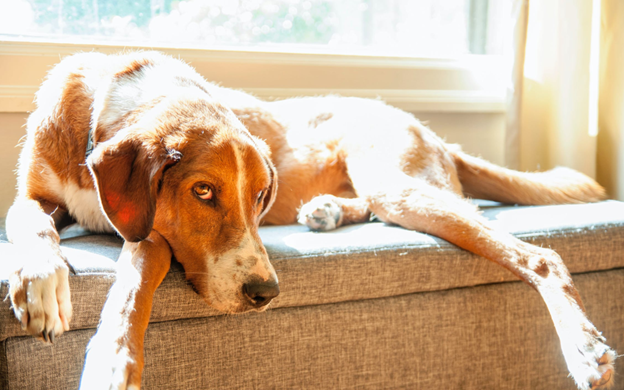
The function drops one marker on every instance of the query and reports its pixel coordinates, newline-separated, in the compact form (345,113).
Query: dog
(140,144)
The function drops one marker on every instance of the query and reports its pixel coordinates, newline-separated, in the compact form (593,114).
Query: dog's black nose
(261,293)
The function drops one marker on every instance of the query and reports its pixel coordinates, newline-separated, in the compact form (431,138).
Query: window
(418,55)
(413,28)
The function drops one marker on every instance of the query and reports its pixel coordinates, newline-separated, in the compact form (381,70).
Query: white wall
(11,130)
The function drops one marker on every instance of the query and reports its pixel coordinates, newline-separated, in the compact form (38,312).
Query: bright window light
(423,28)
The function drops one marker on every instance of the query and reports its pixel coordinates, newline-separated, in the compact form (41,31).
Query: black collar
(89,143)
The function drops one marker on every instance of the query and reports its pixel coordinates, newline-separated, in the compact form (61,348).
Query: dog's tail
(483,180)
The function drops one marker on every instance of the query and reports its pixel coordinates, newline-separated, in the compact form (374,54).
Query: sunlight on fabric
(555,219)
(356,238)
(594,69)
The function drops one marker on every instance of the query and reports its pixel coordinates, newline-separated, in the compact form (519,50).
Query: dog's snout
(261,293)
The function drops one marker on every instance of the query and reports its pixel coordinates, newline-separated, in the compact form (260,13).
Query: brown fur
(336,160)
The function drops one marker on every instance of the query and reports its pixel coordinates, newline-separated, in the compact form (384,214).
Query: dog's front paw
(591,363)
(110,367)
(40,295)
(321,213)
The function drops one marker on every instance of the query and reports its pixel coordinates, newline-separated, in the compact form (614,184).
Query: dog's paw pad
(605,370)
(321,214)
(593,369)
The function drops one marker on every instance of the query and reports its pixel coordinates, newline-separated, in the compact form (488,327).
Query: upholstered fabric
(354,262)
(366,306)
(486,337)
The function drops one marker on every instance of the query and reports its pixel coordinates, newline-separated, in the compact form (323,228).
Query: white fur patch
(83,204)
(241,181)
(321,214)
(234,268)
(126,94)
(248,249)
(248,246)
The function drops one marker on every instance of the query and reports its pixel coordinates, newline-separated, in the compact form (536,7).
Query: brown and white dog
(141,144)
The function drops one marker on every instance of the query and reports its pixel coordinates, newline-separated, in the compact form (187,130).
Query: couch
(366,306)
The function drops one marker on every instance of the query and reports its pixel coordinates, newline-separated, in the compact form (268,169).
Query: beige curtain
(555,127)
(515,54)
(610,162)
(566,108)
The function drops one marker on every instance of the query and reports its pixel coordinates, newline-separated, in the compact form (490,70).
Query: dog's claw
(51,336)
(44,335)
(70,267)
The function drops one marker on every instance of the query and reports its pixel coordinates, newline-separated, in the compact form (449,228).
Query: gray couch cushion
(352,263)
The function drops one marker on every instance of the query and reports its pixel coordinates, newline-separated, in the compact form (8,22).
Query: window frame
(470,84)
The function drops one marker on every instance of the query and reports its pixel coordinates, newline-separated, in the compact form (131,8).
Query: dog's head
(191,171)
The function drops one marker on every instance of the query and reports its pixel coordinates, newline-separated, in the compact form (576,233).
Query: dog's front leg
(39,287)
(114,358)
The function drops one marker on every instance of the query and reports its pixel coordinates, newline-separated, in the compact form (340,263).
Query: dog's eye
(203,191)
(260,197)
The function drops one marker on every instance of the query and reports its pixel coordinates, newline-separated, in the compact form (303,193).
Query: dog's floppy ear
(127,173)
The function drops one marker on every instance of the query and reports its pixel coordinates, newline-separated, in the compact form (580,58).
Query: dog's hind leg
(114,358)
(39,287)
(415,204)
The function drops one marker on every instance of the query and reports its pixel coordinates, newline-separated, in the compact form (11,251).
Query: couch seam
(387,296)
(350,300)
